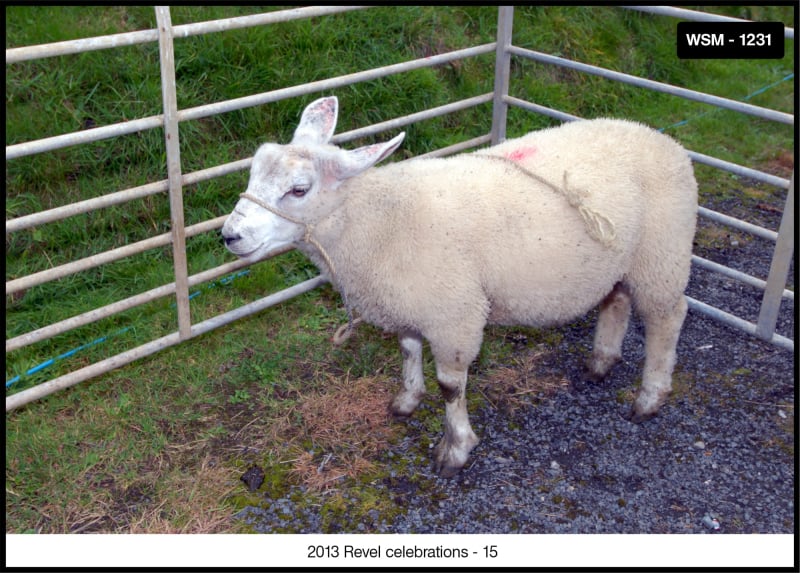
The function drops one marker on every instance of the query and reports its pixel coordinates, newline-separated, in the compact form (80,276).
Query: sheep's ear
(318,121)
(363,158)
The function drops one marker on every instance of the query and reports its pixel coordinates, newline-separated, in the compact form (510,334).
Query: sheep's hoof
(445,464)
(398,416)
(647,403)
(584,381)
(404,405)
(597,368)
(451,457)
(446,472)
(590,375)
(587,378)
(639,417)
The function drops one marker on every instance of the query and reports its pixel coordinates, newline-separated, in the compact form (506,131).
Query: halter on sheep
(344,332)
(307,236)
(436,249)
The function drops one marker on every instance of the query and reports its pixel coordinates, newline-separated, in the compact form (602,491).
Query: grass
(158,446)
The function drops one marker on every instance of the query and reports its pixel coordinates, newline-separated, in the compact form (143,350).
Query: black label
(730,40)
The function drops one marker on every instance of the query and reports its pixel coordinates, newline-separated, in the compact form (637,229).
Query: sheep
(534,231)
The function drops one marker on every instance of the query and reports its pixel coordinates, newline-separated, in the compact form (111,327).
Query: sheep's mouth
(243,254)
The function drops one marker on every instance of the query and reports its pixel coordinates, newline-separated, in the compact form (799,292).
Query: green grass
(88,458)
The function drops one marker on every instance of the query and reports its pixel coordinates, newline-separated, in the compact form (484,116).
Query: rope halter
(308,227)
(346,330)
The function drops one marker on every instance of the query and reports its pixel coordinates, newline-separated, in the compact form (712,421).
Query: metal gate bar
(68,47)
(717,101)
(685,14)
(502,72)
(778,271)
(173,147)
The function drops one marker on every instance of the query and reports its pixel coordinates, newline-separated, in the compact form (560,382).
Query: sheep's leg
(612,323)
(453,450)
(661,339)
(413,390)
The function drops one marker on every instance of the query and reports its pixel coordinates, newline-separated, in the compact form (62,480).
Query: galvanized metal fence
(503,49)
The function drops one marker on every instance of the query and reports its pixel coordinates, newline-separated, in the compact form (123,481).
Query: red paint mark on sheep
(521,153)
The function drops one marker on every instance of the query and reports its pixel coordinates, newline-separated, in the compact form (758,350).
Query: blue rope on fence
(746,98)
(51,361)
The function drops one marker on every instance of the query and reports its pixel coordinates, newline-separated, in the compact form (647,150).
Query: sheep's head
(298,182)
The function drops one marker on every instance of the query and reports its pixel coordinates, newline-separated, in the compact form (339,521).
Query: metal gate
(503,49)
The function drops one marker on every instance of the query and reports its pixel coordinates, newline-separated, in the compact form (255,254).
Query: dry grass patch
(335,433)
(172,494)
(194,502)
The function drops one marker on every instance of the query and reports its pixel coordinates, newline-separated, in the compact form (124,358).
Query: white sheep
(535,231)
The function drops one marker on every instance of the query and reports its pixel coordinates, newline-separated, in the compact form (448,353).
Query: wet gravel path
(568,462)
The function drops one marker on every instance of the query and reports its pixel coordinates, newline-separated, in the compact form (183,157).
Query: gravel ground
(568,462)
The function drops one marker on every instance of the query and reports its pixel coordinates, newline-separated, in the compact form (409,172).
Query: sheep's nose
(230,238)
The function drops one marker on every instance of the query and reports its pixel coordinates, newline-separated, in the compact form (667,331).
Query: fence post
(779,268)
(502,69)
(168,91)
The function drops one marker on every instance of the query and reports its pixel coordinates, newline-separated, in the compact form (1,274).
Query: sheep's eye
(298,191)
